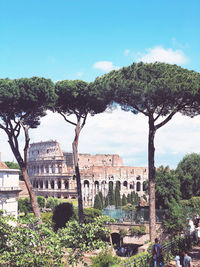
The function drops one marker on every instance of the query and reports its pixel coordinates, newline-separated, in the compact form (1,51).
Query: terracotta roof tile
(3,165)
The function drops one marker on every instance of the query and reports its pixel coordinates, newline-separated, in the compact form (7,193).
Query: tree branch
(71,122)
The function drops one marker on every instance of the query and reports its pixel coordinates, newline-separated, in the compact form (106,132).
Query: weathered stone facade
(9,189)
(52,173)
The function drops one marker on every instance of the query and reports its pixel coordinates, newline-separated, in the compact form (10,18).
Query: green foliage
(62,214)
(52,203)
(123,232)
(81,238)
(101,198)
(135,199)
(118,201)
(89,214)
(124,200)
(188,171)
(175,218)
(47,217)
(29,244)
(97,203)
(129,207)
(104,259)
(24,205)
(111,195)
(41,201)
(12,165)
(138,230)
(167,187)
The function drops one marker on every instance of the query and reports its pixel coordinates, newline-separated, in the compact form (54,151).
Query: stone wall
(52,173)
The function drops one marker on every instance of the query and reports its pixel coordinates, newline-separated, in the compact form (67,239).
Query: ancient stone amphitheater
(51,172)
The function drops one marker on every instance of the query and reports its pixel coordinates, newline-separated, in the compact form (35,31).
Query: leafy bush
(24,205)
(104,259)
(47,217)
(138,230)
(28,244)
(122,233)
(41,201)
(61,215)
(52,203)
(84,238)
(89,214)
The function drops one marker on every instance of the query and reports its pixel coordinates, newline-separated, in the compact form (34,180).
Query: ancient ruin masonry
(51,172)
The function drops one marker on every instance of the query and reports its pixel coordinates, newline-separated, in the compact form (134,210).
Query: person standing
(157,254)
(187,261)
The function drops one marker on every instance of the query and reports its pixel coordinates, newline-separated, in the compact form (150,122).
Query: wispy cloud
(161,54)
(105,66)
(127,52)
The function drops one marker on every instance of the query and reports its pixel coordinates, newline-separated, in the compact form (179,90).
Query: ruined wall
(52,173)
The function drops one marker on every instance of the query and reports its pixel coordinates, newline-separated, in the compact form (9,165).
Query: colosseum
(51,172)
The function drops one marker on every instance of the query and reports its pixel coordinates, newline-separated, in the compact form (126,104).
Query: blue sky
(82,39)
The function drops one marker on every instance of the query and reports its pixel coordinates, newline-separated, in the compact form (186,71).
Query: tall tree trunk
(151,152)
(23,163)
(78,178)
(33,200)
(30,189)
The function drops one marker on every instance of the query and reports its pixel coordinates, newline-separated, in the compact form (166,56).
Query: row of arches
(50,184)
(138,186)
(45,168)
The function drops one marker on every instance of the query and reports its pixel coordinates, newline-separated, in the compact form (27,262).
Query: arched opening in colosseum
(37,169)
(47,168)
(66,185)
(132,185)
(46,184)
(53,168)
(125,184)
(36,184)
(52,184)
(110,184)
(73,197)
(86,183)
(138,186)
(42,169)
(41,184)
(74,177)
(115,238)
(66,197)
(96,185)
(59,184)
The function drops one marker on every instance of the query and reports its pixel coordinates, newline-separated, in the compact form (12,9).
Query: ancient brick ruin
(51,172)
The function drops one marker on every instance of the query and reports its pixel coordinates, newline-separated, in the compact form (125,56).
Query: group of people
(157,251)
(124,251)
(193,228)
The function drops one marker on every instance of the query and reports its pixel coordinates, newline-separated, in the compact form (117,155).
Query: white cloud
(105,66)
(127,52)
(120,133)
(161,54)
(79,74)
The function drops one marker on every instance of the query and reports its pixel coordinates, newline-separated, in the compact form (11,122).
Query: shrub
(24,205)
(104,259)
(89,214)
(122,233)
(47,217)
(29,244)
(41,201)
(52,203)
(61,215)
(135,230)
